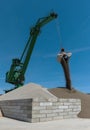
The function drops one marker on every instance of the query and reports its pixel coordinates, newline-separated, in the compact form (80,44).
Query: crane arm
(19,66)
(33,36)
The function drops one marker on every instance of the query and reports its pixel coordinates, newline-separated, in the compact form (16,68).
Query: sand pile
(85,99)
(28,91)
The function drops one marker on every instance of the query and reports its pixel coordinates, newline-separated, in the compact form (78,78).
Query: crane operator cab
(16,75)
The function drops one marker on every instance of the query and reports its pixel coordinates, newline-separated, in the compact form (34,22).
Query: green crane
(18,68)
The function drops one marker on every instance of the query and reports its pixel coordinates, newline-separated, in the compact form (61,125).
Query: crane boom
(18,68)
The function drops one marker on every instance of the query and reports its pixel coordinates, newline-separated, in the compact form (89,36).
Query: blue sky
(16,19)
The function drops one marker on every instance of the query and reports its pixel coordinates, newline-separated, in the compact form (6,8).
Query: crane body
(16,74)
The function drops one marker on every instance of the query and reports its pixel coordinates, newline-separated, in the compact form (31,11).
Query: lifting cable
(58,32)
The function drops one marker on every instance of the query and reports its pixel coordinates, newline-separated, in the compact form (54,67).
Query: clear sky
(71,30)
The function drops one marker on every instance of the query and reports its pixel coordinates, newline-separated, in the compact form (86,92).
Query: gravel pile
(85,99)
(28,91)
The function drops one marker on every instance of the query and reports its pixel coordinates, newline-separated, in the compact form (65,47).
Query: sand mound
(28,91)
(85,99)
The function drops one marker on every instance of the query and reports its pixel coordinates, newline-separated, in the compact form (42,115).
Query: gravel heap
(28,91)
(32,90)
(85,99)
